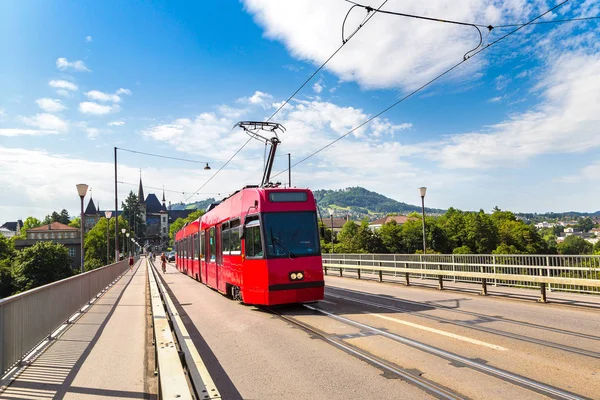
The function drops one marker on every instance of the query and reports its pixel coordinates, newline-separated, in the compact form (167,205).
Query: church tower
(142,199)
(164,219)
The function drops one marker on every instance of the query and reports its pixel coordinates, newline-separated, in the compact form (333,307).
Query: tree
(347,239)
(64,217)
(391,237)
(573,245)
(132,212)
(40,264)
(95,243)
(462,250)
(506,249)
(76,222)
(482,236)
(7,252)
(585,224)
(597,247)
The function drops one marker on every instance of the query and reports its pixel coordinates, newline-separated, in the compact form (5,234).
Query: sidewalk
(102,355)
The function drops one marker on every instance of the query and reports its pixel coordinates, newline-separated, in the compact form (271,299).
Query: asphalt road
(373,340)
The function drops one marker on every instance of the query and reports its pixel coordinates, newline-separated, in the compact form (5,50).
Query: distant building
(57,233)
(542,225)
(338,223)
(155,215)
(10,229)
(400,220)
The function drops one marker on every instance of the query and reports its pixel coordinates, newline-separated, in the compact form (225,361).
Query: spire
(91,209)
(164,196)
(141,197)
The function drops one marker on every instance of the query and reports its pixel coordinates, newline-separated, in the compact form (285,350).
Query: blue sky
(516,126)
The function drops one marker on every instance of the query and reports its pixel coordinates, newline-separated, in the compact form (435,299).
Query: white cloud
(116,123)
(123,91)
(258,98)
(2,112)
(231,112)
(317,87)
(101,96)
(26,132)
(565,121)
(88,39)
(64,85)
(46,122)
(389,51)
(50,105)
(89,107)
(63,64)
(495,99)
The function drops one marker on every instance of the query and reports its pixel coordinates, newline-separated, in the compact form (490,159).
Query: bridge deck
(102,355)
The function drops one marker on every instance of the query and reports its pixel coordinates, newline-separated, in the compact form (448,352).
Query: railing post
(380,276)
(440,282)
(407,279)
(483,283)
(543,294)
(341,269)
(325,269)
(358,271)
(548,272)
(494,263)
(453,268)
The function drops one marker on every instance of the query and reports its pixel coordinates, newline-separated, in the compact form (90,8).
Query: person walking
(163,261)
(130,262)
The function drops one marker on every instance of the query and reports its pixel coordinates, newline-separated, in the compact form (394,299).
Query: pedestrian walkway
(102,355)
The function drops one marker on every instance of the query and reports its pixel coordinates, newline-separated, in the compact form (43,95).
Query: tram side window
(196,247)
(202,245)
(235,244)
(212,244)
(225,238)
(253,241)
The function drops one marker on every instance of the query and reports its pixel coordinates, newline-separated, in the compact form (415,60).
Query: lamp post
(331,215)
(128,245)
(108,214)
(82,190)
(423,190)
(123,232)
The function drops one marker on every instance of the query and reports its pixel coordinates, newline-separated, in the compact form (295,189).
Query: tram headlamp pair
(297,276)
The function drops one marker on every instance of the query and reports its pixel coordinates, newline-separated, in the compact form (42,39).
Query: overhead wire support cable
(161,156)
(424,86)
(295,92)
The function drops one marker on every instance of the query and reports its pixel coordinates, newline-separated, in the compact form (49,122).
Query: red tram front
(260,246)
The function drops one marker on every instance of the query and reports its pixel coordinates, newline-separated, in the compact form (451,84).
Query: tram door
(219,258)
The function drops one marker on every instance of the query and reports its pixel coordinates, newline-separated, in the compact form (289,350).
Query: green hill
(356,202)
(359,203)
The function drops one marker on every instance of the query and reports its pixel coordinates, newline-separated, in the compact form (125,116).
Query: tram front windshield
(291,234)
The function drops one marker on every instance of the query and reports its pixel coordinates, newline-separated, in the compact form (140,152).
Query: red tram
(260,246)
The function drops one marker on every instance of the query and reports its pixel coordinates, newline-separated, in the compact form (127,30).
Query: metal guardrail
(169,345)
(564,273)
(28,318)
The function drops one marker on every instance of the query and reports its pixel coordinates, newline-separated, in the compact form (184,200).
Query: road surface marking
(439,332)
(325,301)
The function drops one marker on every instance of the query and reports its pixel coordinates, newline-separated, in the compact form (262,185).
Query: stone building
(55,232)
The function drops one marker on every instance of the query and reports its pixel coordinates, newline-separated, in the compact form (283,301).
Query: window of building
(71,252)
(212,244)
(52,236)
(164,229)
(46,236)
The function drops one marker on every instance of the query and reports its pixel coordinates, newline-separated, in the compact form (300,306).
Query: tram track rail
(489,318)
(493,331)
(432,388)
(427,385)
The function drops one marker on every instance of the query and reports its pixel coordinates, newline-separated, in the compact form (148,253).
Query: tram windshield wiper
(276,241)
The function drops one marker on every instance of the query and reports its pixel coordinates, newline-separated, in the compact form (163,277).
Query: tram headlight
(293,276)
(299,275)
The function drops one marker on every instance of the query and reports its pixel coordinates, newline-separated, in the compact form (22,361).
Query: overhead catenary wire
(171,190)
(292,96)
(423,87)
(448,21)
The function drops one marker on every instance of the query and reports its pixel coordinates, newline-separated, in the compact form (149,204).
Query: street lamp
(423,190)
(128,245)
(107,215)
(123,232)
(331,215)
(82,190)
